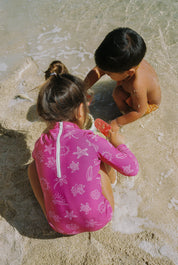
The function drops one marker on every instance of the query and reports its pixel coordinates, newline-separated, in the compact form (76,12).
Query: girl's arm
(35,184)
(93,76)
(120,157)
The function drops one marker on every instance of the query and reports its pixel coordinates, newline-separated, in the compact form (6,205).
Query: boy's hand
(115,138)
(115,126)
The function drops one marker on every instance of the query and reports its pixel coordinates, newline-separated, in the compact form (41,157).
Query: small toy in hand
(102,126)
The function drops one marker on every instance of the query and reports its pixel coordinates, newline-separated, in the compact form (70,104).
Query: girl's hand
(115,138)
(115,126)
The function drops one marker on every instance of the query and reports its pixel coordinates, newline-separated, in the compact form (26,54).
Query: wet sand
(144,226)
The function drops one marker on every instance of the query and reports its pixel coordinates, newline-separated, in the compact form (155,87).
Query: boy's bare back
(133,94)
(143,86)
(146,80)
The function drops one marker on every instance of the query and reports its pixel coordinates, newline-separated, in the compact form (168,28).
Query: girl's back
(72,185)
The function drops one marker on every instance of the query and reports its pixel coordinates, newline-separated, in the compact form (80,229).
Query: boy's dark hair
(122,49)
(60,96)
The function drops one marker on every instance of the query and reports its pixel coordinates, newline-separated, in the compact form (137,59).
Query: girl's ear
(80,111)
(80,116)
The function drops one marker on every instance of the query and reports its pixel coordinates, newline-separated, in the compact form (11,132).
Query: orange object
(102,126)
(150,107)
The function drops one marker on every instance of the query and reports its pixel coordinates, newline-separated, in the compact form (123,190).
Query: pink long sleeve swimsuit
(68,162)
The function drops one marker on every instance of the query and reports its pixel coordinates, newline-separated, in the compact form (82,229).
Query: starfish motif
(49,148)
(70,215)
(93,145)
(81,152)
(71,135)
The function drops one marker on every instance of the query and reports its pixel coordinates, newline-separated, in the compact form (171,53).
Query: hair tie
(54,73)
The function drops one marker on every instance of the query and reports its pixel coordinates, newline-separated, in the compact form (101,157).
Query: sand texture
(144,227)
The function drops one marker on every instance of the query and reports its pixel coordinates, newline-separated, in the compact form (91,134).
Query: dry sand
(144,226)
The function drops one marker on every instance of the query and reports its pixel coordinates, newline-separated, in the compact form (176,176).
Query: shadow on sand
(103,105)
(17,204)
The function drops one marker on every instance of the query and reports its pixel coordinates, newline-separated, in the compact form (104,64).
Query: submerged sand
(144,226)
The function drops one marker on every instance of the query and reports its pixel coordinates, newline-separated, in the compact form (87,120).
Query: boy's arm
(35,184)
(93,76)
(139,102)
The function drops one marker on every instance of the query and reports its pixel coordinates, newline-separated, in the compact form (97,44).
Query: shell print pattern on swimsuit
(68,163)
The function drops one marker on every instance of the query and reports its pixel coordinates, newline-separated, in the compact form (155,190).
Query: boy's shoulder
(145,74)
(145,69)
(142,76)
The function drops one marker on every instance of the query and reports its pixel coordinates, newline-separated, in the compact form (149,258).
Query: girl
(67,175)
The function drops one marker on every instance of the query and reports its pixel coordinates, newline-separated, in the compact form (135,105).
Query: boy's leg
(120,96)
(35,184)
(106,187)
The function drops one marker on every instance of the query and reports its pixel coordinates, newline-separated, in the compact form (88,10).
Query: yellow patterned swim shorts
(150,107)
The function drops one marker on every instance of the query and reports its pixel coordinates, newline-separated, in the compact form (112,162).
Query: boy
(120,56)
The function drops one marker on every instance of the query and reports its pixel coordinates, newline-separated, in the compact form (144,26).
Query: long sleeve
(120,158)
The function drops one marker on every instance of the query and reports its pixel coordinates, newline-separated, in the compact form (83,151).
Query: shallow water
(70,30)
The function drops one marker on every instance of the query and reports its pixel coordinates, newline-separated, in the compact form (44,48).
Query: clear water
(71,30)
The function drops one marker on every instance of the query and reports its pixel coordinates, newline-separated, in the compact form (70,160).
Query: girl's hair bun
(56,68)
